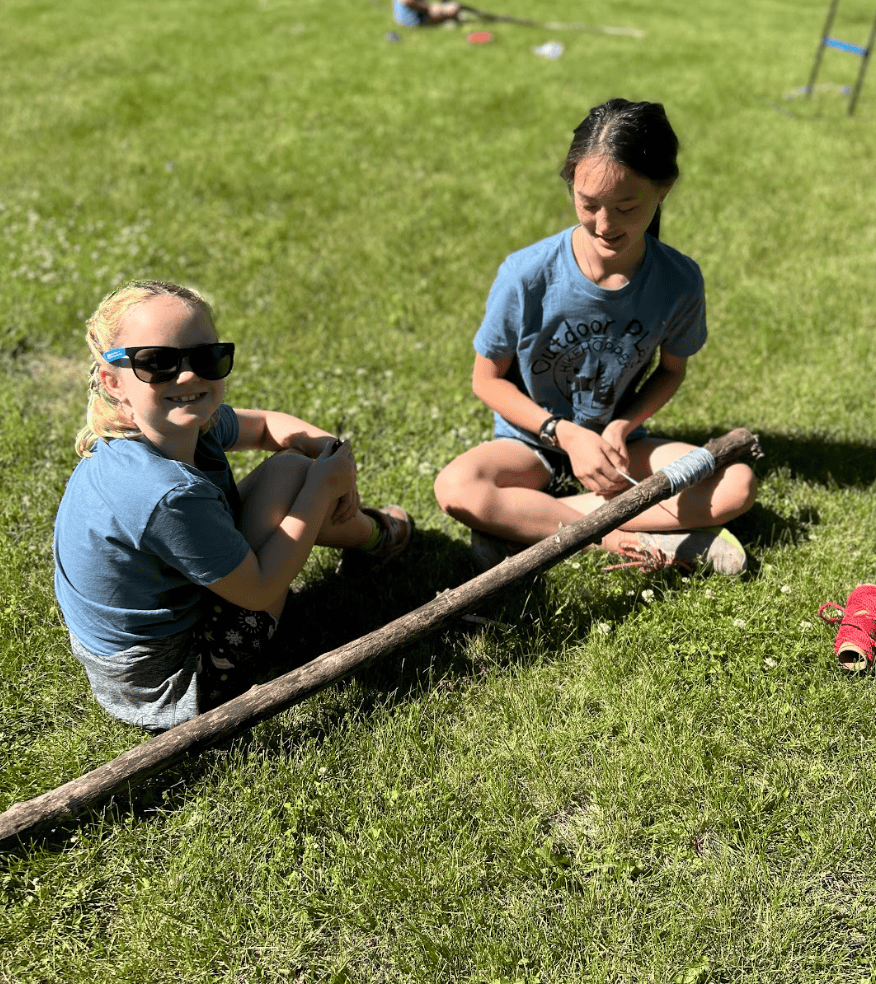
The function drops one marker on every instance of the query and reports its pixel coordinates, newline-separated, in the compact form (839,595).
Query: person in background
(419,13)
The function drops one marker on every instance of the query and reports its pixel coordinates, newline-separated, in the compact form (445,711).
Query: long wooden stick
(242,713)
(550,25)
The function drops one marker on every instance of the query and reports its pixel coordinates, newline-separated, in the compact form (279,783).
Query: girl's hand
(348,503)
(614,434)
(595,460)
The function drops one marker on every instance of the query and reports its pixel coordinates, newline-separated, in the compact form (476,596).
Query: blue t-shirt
(407,16)
(139,535)
(580,349)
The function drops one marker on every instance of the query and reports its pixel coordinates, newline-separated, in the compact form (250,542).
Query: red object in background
(480,37)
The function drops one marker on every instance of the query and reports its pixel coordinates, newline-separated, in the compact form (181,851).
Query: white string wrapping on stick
(687,471)
(692,468)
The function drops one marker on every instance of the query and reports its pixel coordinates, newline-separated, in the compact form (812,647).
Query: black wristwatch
(547,433)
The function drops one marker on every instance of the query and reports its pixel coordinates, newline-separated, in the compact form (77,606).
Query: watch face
(549,432)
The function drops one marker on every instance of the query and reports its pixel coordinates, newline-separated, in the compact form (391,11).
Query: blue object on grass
(853,49)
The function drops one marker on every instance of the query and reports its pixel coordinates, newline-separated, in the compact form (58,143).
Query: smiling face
(614,206)
(169,414)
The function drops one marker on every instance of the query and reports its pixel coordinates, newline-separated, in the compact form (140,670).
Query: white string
(687,471)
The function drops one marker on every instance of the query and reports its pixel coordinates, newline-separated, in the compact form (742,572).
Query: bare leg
(268,493)
(712,502)
(497,487)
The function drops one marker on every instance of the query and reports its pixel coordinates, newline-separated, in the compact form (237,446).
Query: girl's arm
(594,461)
(265,574)
(500,394)
(269,430)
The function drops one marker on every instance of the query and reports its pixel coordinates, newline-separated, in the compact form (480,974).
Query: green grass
(625,778)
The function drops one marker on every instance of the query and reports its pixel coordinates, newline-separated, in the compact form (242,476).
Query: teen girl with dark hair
(571,326)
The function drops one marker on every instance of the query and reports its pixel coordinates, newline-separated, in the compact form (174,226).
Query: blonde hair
(105,416)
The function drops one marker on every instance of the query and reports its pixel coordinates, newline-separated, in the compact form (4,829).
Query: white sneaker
(715,548)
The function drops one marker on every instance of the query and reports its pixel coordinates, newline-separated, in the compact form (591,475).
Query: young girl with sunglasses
(570,329)
(171,577)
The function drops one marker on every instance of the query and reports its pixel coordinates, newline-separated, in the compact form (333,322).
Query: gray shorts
(163,682)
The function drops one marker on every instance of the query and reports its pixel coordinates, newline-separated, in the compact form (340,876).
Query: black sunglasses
(161,363)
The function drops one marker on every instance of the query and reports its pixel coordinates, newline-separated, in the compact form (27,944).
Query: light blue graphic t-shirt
(138,537)
(579,348)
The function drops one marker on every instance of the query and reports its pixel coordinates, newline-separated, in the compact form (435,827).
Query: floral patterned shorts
(232,645)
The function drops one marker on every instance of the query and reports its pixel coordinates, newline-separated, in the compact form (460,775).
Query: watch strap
(547,433)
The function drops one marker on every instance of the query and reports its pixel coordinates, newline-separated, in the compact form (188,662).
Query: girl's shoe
(489,550)
(855,644)
(396,527)
(715,548)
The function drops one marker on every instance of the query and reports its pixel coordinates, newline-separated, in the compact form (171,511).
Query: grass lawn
(622,778)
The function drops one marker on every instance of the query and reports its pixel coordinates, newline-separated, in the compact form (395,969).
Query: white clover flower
(739,623)
(647,595)
(786,589)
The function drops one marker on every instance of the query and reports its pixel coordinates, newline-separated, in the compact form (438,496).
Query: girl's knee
(275,473)
(737,490)
(268,491)
(449,486)
(461,491)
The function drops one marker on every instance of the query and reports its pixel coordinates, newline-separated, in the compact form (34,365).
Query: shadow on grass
(334,611)
(325,614)
(811,457)
(820,460)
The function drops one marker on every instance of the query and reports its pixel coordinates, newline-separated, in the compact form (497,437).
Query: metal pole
(863,70)
(824,33)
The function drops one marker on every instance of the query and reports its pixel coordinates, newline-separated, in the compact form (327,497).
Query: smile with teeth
(188,398)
